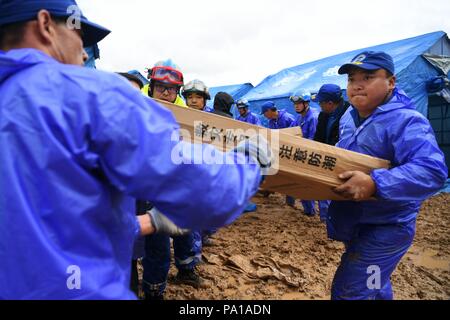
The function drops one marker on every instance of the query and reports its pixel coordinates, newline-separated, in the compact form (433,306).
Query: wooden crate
(303,168)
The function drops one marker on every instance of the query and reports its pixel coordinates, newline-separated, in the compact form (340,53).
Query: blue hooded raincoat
(77,147)
(308,123)
(396,132)
(251,118)
(377,234)
(284,120)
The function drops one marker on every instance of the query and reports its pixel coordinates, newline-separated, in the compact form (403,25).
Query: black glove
(258,148)
(162,224)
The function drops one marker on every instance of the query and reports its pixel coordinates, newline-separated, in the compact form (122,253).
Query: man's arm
(139,151)
(156,222)
(420,171)
(145,223)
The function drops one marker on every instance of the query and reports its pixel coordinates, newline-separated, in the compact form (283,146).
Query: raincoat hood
(14,61)
(223,102)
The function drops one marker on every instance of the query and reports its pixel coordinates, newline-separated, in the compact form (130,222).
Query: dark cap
(13,11)
(370,60)
(269,105)
(329,92)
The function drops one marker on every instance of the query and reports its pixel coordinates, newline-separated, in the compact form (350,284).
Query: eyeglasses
(171,90)
(167,74)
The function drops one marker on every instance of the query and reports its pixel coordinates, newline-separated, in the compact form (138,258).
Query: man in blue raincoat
(306,117)
(307,121)
(245,115)
(77,147)
(384,124)
(278,119)
(333,107)
(196,94)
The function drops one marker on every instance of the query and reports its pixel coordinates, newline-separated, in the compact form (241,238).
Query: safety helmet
(138,75)
(166,72)
(242,103)
(196,86)
(300,97)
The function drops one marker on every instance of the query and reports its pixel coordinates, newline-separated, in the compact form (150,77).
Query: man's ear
(46,26)
(392,81)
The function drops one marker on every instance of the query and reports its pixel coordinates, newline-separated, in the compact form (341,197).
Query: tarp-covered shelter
(235,90)
(422,68)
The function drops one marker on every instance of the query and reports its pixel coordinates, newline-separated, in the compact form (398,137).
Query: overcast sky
(237,41)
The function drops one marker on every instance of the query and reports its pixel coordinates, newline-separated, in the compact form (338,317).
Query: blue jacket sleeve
(419,167)
(258,121)
(312,124)
(293,121)
(139,150)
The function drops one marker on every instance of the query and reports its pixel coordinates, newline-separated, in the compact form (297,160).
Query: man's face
(195,101)
(54,37)
(271,115)
(242,111)
(327,106)
(301,106)
(367,90)
(68,45)
(166,92)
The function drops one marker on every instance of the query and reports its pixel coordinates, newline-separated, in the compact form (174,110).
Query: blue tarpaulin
(235,90)
(420,63)
(412,71)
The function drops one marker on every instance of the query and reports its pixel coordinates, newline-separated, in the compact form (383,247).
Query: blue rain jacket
(308,123)
(77,147)
(208,109)
(251,118)
(284,120)
(396,132)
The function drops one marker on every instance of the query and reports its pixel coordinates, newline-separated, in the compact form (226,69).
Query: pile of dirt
(279,253)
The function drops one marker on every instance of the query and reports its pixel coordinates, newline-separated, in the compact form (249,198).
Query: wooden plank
(293,131)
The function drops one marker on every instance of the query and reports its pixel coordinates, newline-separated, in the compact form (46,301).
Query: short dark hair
(13,33)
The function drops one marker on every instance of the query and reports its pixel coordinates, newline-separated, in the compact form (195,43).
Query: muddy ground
(279,253)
